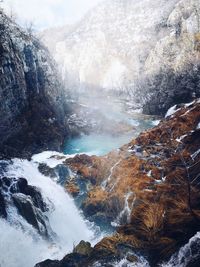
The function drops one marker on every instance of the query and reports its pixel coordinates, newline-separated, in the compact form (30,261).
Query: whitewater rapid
(24,247)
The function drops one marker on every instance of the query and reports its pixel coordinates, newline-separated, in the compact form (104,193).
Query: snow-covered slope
(110,45)
(121,43)
(52,36)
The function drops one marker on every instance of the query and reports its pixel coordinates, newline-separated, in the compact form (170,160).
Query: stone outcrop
(148,189)
(33,106)
(28,202)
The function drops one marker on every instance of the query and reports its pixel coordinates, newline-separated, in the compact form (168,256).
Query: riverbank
(148,190)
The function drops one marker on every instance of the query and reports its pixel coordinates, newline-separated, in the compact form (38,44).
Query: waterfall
(187,254)
(21,249)
(21,245)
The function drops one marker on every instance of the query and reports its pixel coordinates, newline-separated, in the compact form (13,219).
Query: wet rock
(74,260)
(132,258)
(63,173)
(72,188)
(21,186)
(46,170)
(30,213)
(6,181)
(48,263)
(83,248)
(28,201)
(2,206)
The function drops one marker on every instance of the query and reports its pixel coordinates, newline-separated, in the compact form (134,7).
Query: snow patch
(155,123)
(181,138)
(171,111)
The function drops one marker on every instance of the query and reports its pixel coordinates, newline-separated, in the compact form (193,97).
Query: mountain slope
(125,45)
(172,68)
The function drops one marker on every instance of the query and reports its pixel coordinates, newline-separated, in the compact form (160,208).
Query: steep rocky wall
(33,106)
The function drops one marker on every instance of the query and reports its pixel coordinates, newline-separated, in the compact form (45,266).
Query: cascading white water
(142,262)
(24,248)
(19,248)
(185,254)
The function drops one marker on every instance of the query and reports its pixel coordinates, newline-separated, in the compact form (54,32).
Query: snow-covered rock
(171,111)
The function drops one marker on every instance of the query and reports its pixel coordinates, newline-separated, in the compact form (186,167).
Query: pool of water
(95,144)
(101,144)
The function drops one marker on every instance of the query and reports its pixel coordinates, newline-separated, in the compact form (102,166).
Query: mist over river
(117,125)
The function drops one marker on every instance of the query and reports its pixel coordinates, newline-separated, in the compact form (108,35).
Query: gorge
(100,138)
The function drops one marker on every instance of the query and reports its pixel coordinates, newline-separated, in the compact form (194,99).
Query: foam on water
(20,249)
(186,254)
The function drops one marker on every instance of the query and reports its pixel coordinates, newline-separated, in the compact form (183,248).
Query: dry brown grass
(97,195)
(148,221)
(153,217)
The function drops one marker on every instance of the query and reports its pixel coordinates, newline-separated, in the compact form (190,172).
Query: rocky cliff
(148,190)
(147,50)
(172,67)
(33,107)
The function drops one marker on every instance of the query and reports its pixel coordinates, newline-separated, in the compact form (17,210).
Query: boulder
(30,213)
(21,186)
(83,248)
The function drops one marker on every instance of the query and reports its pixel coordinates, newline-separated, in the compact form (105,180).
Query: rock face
(33,106)
(149,190)
(147,50)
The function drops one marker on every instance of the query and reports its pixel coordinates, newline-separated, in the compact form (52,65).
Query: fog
(48,13)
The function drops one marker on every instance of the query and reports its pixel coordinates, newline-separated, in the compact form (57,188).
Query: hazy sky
(49,13)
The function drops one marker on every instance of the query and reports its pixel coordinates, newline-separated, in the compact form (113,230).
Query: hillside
(148,190)
(141,49)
